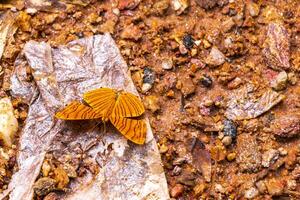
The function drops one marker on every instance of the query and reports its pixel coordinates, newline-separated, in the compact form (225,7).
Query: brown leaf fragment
(188,87)
(243,104)
(287,125)
(202,159)
(277,47)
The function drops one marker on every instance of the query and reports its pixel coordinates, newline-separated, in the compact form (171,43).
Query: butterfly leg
(103,130)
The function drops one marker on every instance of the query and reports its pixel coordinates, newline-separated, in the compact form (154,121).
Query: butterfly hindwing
(133,129)
(77,111)
(102,100)
(128,105)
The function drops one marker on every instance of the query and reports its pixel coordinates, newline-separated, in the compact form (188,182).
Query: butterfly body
(121,108)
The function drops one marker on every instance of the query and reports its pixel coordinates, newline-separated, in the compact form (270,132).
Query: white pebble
(31,11)
(167,64)
(197,42)
(116,11)
(8,121)
(221,135)
(146,87)
(227,140)
(282,151)
(251,193)
(219,188)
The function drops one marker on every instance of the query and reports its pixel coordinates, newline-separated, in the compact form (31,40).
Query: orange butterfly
(120,108)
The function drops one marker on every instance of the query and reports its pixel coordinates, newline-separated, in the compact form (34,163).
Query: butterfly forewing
(133,129)
(128,105)
(77,111)
(118,107)
(101,100)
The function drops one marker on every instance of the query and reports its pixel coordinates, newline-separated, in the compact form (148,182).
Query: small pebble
(227,140)
(208,103)
(179,161)
(187,179)
(31,11)
(167,64)
(215,57)
(170,94)
(46,168)
(57,26)
(8,122)
(292,78)
(206,44)
(194,52)
(163,149)
(176,171)
(197,42)
(206,81)
(280,81)
(199,189)
(148,79)
(227,25)
(146,87)
(282,151)
(235,83)
(261,186)
(116,11)
(149,76)
(44,186)
(219,188)
(253,9)
(230,128)
(269,157)
(152,103)
(188,41)
(13,9)
(228,42)
(52,196)
(291,184)
(3,154)
(179,5)
(177,190)
(221,135)
(231,156)
(251,193)
(183,50)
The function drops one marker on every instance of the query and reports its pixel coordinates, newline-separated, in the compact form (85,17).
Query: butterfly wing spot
(77,111)
(133,129)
